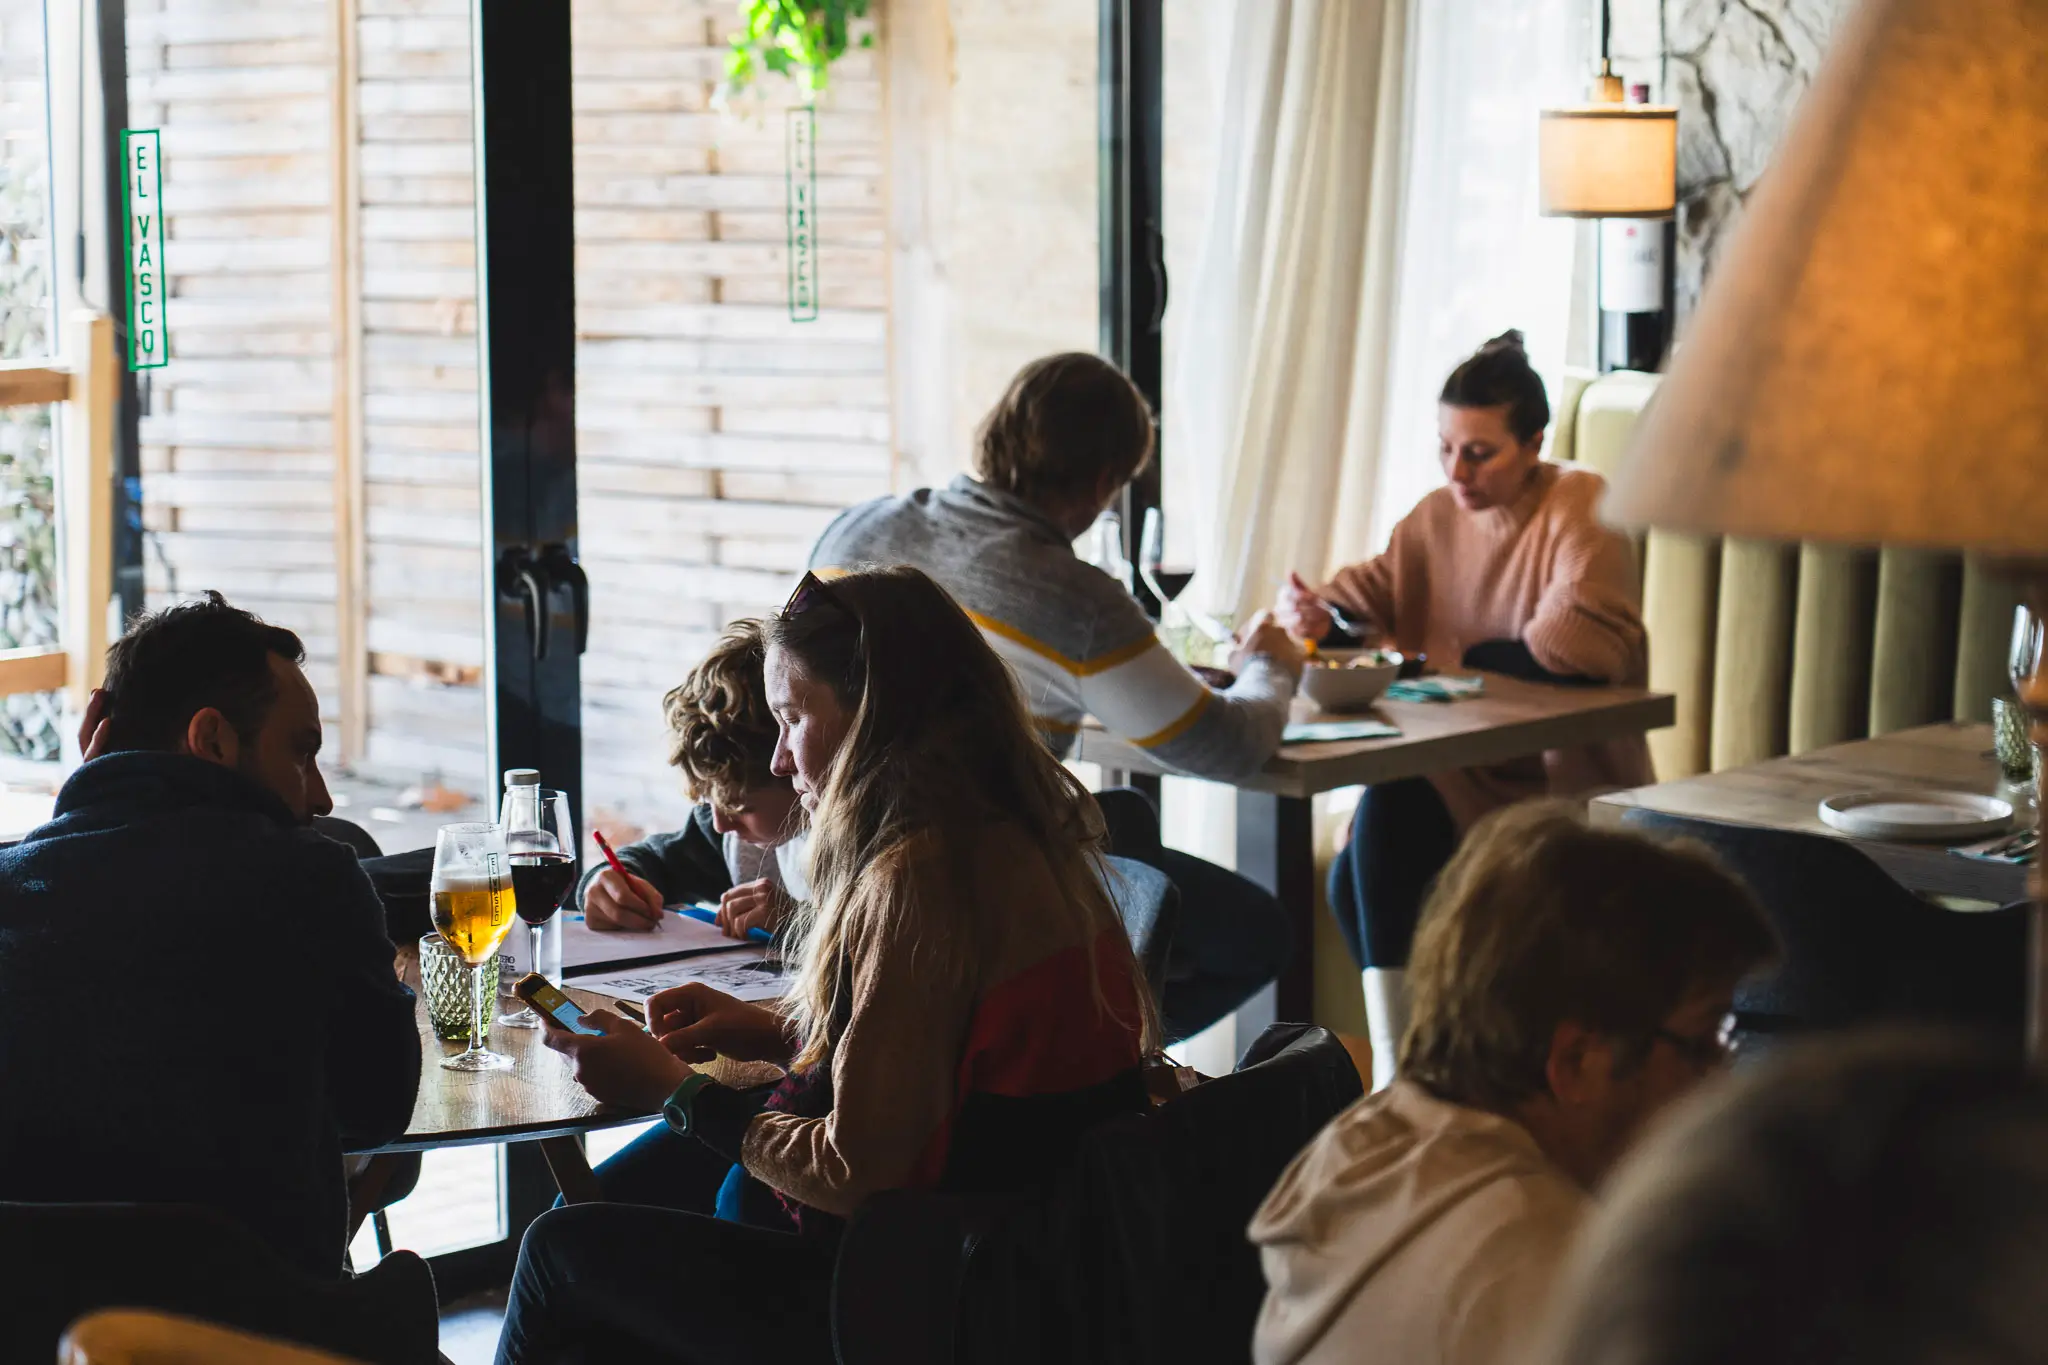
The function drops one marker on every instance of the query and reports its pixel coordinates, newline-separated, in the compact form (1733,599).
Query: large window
(30,722)
(1475,258)
(716,433)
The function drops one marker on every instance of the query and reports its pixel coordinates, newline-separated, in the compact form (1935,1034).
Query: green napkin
(1324,731)
(1436,689)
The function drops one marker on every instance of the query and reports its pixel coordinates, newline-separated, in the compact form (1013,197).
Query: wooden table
(537,1100)
(1275,841)
(1785,793)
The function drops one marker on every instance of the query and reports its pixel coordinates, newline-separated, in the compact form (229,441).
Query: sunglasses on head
(810,591)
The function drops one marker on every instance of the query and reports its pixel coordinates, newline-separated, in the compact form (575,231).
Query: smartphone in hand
(537,991)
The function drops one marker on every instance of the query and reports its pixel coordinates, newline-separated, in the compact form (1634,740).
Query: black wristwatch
(676,1112)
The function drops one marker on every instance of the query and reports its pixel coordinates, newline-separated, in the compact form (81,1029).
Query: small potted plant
(796,38)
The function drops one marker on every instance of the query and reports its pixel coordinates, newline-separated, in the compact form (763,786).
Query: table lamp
(1866,364)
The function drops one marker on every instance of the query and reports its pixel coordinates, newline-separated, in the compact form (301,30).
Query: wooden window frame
(88,385)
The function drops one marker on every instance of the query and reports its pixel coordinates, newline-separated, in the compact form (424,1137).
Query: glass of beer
(474,908)
(541,845)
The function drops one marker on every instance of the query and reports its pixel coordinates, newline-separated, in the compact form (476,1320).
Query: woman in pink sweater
(1506,568)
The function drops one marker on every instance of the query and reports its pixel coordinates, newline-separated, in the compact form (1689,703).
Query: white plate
(1953,817)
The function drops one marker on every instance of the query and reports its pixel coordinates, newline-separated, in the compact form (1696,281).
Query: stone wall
(1736,69)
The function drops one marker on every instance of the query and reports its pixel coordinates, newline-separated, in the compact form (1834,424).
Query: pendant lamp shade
(1869,363)
(1608,161)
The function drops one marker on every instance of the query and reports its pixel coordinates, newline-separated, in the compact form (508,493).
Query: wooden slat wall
(715,437)
(422,522)
(236,437)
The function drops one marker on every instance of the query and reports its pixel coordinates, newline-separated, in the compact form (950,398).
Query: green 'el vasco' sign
(143,233)
(802,213)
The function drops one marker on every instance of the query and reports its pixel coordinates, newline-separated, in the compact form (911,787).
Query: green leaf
(800,38)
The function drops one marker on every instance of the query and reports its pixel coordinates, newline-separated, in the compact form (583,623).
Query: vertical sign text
(803,214)
(144,235)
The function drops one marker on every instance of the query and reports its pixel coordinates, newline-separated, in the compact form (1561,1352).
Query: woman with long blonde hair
(965,1004)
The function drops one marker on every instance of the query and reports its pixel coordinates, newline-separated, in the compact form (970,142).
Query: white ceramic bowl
(1335,683)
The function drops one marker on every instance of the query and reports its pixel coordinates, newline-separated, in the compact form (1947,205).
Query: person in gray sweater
(1058,448)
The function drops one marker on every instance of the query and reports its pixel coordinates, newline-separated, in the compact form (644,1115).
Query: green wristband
(676,1112)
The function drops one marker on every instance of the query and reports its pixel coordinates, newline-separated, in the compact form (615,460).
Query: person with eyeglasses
(1569,984)
(1877,1196)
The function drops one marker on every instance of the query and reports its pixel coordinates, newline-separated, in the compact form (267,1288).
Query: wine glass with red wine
(540,845)
(1166,584)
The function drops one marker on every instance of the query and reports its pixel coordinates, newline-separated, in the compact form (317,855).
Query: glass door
(365,429)
(721,423)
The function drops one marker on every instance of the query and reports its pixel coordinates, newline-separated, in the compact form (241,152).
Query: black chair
(1860,948)
(67,1260)
(1135,1254)
(1149,904)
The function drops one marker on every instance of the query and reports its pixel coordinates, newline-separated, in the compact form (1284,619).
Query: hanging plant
(798,38)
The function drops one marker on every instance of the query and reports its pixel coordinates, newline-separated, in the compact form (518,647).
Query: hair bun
(1499,373)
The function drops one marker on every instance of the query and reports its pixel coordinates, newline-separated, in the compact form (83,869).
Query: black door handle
(524,579)
(1155,260)
(564,571)
(531,579)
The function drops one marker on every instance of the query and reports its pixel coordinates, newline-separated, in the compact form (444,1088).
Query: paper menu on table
(743,973)
(1325,731)
(584,947)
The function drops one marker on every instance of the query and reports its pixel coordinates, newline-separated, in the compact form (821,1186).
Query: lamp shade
(1608,161)
(1869,363)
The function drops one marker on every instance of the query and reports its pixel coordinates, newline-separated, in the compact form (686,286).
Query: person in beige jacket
(1569,983)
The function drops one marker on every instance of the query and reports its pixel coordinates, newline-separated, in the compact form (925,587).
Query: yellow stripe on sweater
(1179,727)
(1045,651)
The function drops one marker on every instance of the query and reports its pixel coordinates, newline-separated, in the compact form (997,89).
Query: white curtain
(1373,221)
(1475,257)
(1275,385)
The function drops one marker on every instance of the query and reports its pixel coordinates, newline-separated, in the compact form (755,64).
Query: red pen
(620,868)
(609,856)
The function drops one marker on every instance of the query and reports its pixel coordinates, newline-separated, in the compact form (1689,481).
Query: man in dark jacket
(197,997)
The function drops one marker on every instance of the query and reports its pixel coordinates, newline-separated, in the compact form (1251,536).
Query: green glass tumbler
(444,978)
(2012,740)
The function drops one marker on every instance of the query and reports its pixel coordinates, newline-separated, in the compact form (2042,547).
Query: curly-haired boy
(743,845)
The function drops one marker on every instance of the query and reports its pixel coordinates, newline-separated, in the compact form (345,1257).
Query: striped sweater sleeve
(1151,699)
